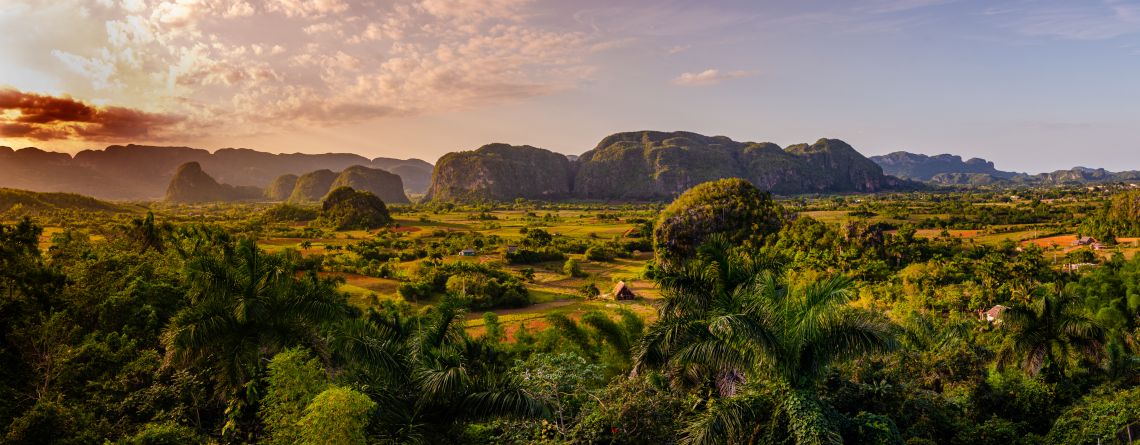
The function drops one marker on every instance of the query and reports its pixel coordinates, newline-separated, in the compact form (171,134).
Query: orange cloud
(42,117)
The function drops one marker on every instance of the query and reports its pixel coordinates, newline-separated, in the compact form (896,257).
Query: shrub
(733,207)
(571,268)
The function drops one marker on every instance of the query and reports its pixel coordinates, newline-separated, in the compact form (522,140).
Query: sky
(1031,85)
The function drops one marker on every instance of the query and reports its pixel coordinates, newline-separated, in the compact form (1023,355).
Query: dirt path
(540,307)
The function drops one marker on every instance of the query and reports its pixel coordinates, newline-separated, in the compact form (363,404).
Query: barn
(623,292)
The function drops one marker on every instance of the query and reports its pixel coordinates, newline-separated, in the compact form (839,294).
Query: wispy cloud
(710,77)
(1085,20)
(325,62)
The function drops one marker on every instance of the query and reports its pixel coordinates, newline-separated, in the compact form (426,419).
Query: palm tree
(1048,334)
(147,234)
(428,374)
(245,306)
(730,329)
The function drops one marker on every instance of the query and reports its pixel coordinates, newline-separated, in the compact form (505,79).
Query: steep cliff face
(837,167)
(501,172)
(654,166)
(387,186)
(921,167)
(281,188)
(415,173)
(312,186)
(191,184)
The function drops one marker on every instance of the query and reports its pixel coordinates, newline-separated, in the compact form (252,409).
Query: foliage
(347,209)
(731,207)
(336,416)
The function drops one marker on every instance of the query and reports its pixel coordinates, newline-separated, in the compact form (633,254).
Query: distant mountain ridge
(654,165)
(192,185)
(947,169)
(138,172)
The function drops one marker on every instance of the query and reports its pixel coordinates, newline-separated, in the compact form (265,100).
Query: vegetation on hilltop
(18,203)
(501,172)
(733,208)
(348,209)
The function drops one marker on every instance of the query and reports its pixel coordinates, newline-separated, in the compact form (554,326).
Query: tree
(571,268)
(337,416)
(733,208)
(747,338)
(294,379)
(429,374)
(245,306)
(1048,334)
(345,208)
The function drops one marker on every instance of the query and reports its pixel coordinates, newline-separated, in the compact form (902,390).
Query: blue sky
(1031,85)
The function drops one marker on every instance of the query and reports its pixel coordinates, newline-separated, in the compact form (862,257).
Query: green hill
(312,186)
(387,186)
(18,203)
(191,184)
(501,172)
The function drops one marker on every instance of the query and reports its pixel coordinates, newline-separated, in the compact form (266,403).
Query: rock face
(415,173)
(281,187)
(191,185)
(501,172)
(652,165)
(920,167)
(312,186)
(386,186)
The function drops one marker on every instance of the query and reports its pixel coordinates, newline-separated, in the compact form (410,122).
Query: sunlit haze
(1030,85)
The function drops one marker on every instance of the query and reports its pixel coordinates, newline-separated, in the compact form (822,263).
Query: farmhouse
(994,314)
(467,252)
(622,292)
(1084,241)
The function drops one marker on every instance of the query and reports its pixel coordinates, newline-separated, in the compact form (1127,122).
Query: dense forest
(884,319)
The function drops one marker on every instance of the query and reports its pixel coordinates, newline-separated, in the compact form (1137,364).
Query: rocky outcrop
(501,172)
(653,165)
(281,187)
(139,172)
(312,186)
(386,186)
(920,167)
(415,173)
(191,184)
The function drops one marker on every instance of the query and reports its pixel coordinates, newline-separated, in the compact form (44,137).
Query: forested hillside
(726,317)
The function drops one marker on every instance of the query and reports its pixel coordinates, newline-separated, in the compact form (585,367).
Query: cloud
(241,67)
(1089,20)
(710,77)
(42,117)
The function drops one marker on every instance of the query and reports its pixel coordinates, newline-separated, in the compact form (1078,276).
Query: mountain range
(946,169)
(137,172)
(654,165)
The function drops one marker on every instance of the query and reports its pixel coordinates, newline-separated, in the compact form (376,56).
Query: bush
(336,416)
(347,209)
(165,433)
(539,255)
(600,253)
(571,268)
(733,207)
